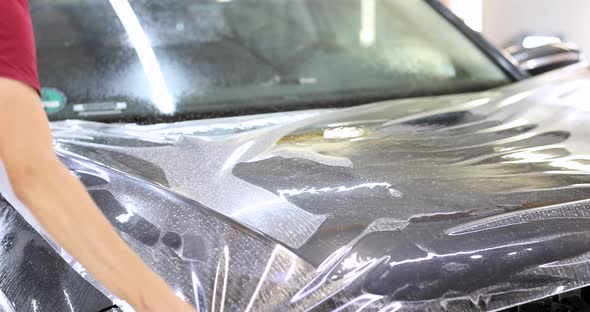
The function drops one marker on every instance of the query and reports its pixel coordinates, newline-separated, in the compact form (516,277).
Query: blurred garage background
(543,21)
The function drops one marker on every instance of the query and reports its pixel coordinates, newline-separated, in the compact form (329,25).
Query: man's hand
(65,210)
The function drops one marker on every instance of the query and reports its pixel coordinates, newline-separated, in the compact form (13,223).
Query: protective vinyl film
(459,203)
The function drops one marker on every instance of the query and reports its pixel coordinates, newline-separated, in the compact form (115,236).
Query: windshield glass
(147,61)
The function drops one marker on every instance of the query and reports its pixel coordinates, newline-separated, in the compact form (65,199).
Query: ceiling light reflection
(537,41)
(344,133)
(515,98)
(431,255)
(160,94)
(339,189)
(579,164)
(528,157)
(35,305)
(367,34)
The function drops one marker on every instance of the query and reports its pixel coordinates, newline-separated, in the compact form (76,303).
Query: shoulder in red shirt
(18,60)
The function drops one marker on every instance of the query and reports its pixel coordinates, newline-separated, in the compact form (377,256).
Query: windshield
(147,61)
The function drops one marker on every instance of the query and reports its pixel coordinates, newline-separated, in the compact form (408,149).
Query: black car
(309,155)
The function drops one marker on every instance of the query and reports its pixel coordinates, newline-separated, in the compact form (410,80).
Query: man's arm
(63,207)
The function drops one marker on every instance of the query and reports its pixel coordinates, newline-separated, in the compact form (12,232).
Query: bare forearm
(68,214)
(64,208)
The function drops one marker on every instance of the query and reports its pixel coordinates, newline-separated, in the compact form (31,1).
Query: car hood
(456,202)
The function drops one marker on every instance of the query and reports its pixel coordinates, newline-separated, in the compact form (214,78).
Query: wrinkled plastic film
(475,201)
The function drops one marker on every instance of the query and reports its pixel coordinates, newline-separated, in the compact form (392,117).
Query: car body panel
(465,201)
(33,275)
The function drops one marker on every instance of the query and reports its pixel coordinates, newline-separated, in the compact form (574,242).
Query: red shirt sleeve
(18,59)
